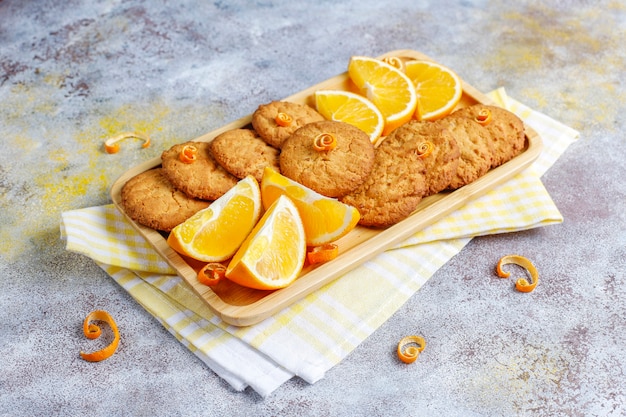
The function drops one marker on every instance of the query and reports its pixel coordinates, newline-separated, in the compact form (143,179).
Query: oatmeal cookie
(440,152)
(264,120)
(242,152)
(332,172)
(152,201)
(395,186)
(506,130)
(204,178)
(475,146)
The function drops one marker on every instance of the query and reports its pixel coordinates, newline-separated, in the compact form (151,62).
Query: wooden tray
(241,306)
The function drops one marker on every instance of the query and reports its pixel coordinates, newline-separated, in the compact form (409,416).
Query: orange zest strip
(188,154)
(212,273)
(424,149)
(521,284)
(410,347)
(283,119)
(93,331)
(324,142)
(483,117)
(323,253)
(111,145)
(394,61)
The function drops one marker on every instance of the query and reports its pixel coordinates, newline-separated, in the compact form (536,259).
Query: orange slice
(272,256)
(215,233)
(325,219)
(391,91)
(438,89)
(344,106)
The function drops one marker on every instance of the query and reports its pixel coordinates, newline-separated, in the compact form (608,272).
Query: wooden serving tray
(242,306)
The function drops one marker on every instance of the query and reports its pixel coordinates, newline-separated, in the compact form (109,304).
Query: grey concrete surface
(74,72)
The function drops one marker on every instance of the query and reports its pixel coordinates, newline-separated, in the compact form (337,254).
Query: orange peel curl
(396,62)
(93,331)
(410,347)
(283,119)
(188,154)
(212,273)
(424,149)
(483,117)
(521,284)
(324,142)
(111,145)
(322,253)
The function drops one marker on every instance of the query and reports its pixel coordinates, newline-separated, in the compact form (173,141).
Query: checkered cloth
(314,334)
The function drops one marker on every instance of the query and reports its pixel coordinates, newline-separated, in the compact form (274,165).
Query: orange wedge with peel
(325,219)
(348,107)
(273,254)
(391,91)
(438,89)
(215,233)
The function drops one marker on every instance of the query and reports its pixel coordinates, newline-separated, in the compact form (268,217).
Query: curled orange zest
(188,154)
(324,142)
(483,117)
(394,61)
(410,347)
(93,331)
(283,119)
(212,273)
(323,253)
(424,149)
(521,284)
(111,145)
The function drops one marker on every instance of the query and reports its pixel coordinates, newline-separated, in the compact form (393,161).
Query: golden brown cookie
(437,148)
(395,186)
(333,172)
(475,146)
(204,178)
(151,200)
(242,152)
(266,120)
(506,130)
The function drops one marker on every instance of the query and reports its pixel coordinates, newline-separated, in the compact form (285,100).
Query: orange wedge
(215,233)
(344,106)
(272,256)
(391,91)
(325,219)
(438,89)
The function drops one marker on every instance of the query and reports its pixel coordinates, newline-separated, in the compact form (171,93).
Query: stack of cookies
(385,183)
(420,159)
(166,196)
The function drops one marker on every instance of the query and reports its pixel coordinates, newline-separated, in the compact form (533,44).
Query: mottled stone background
(73,73)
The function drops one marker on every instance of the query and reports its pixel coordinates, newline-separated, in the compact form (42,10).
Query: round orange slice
(391,91)
(348,107)
(215,233)
(325,219)
(273,255)
(438,89)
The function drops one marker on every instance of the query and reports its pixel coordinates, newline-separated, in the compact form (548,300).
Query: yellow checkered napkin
(311,336)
